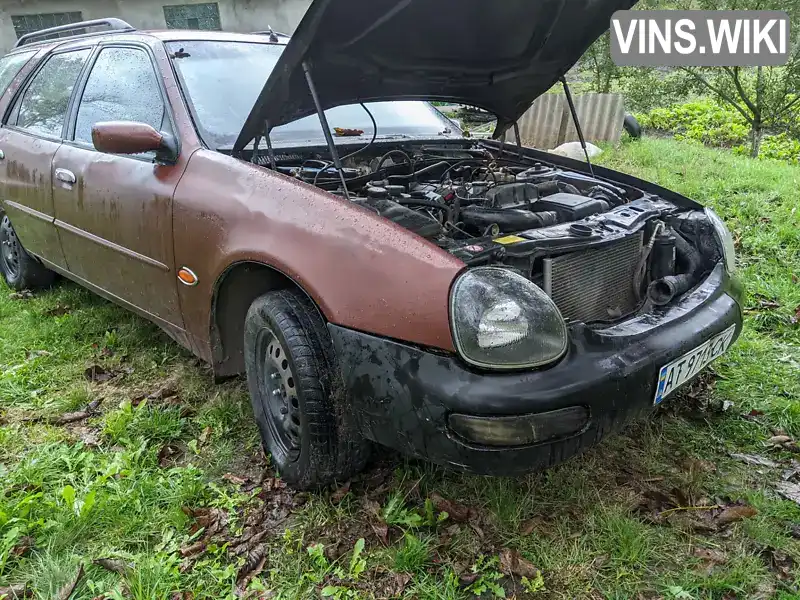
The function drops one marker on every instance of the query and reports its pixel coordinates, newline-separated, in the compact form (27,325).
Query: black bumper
(402,395)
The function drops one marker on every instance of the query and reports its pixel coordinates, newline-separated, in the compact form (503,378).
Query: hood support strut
(577,122)
(325,129)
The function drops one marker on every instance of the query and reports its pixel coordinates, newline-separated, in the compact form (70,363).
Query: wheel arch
(234,291)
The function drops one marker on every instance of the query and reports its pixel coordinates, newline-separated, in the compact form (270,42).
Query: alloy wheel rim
(279,394)
(9,249)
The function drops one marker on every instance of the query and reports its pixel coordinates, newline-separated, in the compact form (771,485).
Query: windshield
(222,81)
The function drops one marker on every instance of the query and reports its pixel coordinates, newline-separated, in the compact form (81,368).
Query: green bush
(646,89)
(779,147)
(702,121)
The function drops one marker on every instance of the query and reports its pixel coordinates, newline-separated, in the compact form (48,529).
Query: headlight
(501,320)
(725,240)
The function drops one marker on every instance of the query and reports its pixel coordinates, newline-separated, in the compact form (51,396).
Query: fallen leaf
(753,414)
(395,584)
(235,480)
(98,374)
(381,530)
(457,512)
(512,563)
(338,495)
(167,390)
(779,440)
(789,490)
(467,579)
(114,565)
(735,513)
(656,501)
(754,459)
(167,453)
(67,591)
(709,555)
(372,507)
(12,592)
(796,315)
(780,562)
(89,436)
(58,311)
(252,568)
(182,596)
(204,436)
(193,549)
(447,536)
(23,295)
(23,545)
(212,520)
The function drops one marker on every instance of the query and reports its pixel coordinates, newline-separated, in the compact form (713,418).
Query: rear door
(29,139)
(114,213)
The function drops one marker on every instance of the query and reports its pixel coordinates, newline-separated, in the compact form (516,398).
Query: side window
(10,66)
(121,87)
(44,106)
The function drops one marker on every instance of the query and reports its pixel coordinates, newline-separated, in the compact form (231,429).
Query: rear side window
(10,66)
(44,106)
(121,87)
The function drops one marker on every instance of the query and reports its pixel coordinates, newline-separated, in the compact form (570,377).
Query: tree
(597,61)
(766,97)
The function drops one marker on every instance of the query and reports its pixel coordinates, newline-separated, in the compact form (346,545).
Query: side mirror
(125,137)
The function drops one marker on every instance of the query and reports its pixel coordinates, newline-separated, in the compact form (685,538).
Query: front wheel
(20,270)
(304,420)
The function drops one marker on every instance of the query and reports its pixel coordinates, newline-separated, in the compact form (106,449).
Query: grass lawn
(163,493)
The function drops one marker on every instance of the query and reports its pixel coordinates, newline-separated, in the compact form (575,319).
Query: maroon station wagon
(295,210)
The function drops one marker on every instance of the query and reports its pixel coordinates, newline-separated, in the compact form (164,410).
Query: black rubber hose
(382,159)
(509,219)
(663,291)
(547,188)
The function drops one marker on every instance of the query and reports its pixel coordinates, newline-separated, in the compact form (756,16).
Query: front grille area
(597,284)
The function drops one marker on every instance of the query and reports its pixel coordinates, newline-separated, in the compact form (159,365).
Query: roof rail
(113,24)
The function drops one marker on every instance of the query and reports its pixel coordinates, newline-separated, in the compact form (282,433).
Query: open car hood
(497,55)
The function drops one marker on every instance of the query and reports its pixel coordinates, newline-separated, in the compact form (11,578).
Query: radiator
(597,284)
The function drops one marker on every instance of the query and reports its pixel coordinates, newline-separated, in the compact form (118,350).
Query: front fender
(363,271)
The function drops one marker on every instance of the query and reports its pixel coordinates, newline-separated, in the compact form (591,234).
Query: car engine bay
(602,251)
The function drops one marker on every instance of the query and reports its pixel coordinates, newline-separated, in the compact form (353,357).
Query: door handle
(65,176)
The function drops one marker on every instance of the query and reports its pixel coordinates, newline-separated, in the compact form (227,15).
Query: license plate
(681,370)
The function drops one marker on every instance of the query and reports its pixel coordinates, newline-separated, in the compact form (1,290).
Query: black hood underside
(498,55)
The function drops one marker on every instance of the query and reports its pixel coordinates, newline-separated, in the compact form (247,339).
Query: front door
(29,140)
(114,213)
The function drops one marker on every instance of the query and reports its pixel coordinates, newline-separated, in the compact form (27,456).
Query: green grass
(120,485)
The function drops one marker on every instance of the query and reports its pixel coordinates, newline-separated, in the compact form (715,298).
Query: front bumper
(402,395)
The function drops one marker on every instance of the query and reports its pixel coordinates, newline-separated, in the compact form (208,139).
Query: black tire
(20,270)
(632,126)
(295,387)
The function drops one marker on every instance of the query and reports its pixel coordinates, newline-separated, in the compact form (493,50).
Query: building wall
(235,15)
